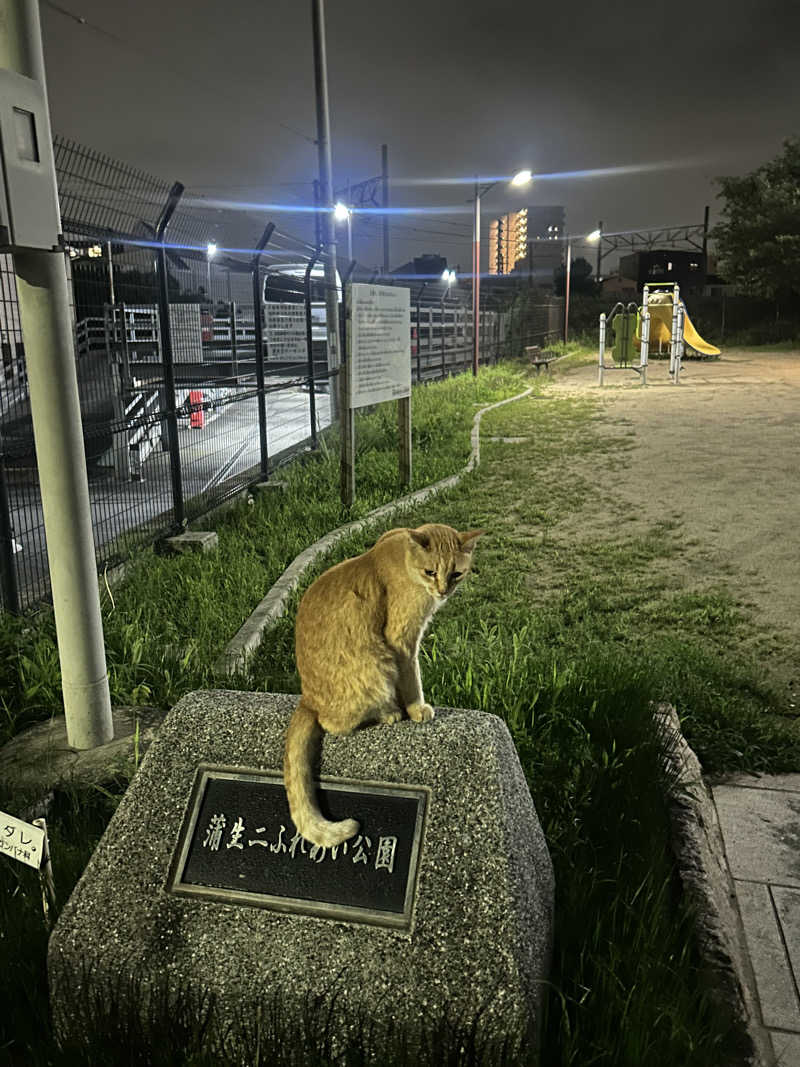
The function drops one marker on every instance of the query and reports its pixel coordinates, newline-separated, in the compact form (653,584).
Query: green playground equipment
(625,326)
(629,325)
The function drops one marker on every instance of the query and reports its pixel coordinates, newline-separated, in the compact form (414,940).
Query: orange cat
(357,638)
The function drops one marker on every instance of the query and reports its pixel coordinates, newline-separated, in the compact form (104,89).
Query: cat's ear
(390,533)
(468,539)
(421,538)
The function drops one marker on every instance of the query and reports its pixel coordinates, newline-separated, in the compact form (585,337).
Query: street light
(595,235)
(448,277)
(342,213)
(521,178)
(211,251)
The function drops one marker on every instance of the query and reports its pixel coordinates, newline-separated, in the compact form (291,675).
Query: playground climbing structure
(661,318)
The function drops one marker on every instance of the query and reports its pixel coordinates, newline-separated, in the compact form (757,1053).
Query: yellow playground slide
(661,329)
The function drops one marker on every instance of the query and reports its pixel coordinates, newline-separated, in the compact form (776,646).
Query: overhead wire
(124,43)
(364,221)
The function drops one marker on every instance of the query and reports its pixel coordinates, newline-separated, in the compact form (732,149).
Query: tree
(758,241)
(580,278)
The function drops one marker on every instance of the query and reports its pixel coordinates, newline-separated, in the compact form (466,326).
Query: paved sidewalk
(760,823)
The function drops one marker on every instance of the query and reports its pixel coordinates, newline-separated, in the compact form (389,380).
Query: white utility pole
(30,227)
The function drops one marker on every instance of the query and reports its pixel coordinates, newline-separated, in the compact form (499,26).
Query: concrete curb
(708,888)
(269,610)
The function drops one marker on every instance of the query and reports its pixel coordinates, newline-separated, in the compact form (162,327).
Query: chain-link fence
(728,319)
(200,369)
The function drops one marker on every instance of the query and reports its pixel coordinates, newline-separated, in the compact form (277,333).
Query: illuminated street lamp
(595,235)
(342,213)
(520,179)
(449,277)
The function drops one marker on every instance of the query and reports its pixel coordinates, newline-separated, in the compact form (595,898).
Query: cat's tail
(303,740)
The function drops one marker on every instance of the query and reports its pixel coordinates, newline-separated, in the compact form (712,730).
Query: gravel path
(720,453)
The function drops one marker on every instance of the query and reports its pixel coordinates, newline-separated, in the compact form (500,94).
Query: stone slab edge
(271,608)
(39,759)
(708,887)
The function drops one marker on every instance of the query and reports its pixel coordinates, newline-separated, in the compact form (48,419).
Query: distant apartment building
(530,241)
(508,241)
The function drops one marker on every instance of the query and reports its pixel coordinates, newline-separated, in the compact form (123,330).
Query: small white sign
(186,332)
(379,354)
(286,332)
(21,841)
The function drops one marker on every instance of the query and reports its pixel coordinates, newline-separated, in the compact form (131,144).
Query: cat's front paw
(420,712)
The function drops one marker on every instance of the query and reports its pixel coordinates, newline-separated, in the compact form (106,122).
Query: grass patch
(160,1025)
(569,636)
(571,642)
(173,615)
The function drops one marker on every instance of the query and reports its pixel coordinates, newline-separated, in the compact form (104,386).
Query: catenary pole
(566,290)
(55,408)
(385,199)
(599,252)
(326,195)
(476,281)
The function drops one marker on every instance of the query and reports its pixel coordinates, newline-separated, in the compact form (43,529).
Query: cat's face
(441,558)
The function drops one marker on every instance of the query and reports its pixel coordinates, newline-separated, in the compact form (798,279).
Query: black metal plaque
(239,845)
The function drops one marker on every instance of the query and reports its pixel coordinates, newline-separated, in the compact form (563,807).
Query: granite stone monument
(433,924)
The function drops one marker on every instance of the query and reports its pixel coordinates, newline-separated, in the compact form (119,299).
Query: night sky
(221,97)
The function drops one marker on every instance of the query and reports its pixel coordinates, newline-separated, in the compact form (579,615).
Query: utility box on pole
(29,214)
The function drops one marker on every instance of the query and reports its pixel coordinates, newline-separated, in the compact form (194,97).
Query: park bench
(538,358)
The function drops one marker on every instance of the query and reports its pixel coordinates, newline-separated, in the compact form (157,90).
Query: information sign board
(379,347)
(286,335)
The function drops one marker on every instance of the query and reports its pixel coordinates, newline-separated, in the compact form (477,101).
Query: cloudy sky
(221,97)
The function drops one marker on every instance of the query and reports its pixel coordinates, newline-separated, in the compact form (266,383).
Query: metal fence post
(347,424)
(443,339)
(165,329)
(347,464)
(234,350)
(312,402)
(258,325)
(8,573)
(419,332)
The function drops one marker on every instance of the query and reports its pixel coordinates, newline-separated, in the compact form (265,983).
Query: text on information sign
(379,349)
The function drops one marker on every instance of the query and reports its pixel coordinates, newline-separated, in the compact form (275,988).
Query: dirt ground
(720,454)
